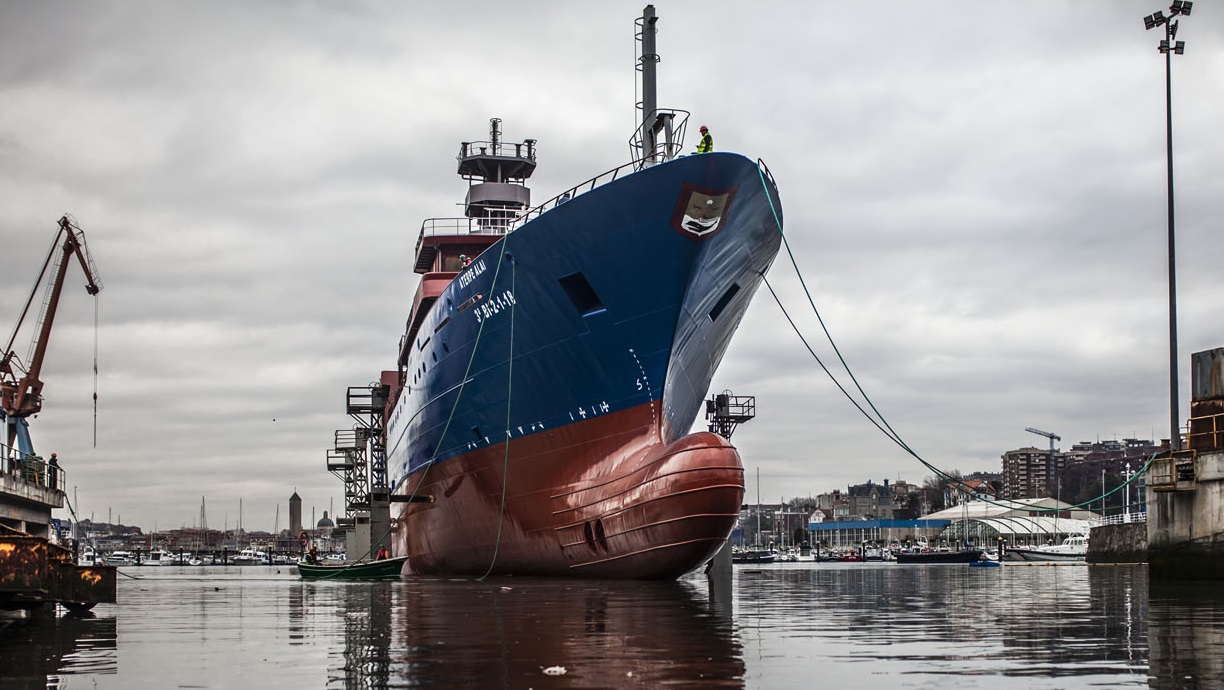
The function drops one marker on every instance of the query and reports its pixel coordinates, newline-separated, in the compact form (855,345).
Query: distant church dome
(325,522)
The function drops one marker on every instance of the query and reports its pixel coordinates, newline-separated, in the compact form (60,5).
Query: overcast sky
(974,193)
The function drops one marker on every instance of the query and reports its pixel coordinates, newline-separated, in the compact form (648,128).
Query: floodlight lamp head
(1159,18)
(1172,29)
(1180,47)
(1148,23)
(1164,46)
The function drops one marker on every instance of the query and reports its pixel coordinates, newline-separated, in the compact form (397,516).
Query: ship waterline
(564,503)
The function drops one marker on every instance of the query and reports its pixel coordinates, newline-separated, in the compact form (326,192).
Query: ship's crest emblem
(700,212)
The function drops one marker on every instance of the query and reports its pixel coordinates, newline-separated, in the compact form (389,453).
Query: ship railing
(765,170)
(468,149)
(663,151)
(581,188)
(31,469)
(1205,433)
(466,226)
(496,225)
(673,140)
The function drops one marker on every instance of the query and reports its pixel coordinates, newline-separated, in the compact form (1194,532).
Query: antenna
(646,64)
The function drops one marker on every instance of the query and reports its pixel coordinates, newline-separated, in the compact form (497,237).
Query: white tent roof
(1012,508)
(1031,525)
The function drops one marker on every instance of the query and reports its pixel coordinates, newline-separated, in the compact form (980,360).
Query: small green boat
(386,569)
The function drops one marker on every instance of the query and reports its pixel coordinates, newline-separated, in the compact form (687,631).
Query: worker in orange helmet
(706,144)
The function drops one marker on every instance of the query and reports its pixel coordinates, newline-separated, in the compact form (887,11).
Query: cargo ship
(556,356)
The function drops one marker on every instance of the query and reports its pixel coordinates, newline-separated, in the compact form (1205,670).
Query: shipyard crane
(20,382)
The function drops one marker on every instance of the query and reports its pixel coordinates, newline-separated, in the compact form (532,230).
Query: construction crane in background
(1049,463)
(20,382)
(1052,437)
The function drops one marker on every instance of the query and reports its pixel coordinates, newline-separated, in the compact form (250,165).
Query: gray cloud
(975,198)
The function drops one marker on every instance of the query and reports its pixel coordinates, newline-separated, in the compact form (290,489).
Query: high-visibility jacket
(707,143)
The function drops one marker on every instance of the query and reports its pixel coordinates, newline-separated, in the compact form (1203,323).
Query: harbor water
(786,625)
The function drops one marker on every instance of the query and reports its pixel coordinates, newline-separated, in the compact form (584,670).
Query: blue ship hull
(597,326)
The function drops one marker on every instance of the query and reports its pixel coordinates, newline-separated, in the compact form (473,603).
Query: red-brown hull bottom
(599,498)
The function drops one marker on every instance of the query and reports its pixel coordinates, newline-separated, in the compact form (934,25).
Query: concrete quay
(1185,528)
(1185,535)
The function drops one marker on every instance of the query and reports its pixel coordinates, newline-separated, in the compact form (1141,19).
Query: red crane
(21,397)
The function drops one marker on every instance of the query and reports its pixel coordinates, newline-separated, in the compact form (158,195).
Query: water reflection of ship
(504,633)
(507,631)
(34,653)
(366,610)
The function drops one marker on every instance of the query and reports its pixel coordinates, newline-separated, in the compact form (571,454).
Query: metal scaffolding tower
(726,411)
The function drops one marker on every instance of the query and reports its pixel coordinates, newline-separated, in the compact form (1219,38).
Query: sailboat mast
(758,510)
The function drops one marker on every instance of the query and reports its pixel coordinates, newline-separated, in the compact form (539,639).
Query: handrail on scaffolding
(31,469)
(1206,432)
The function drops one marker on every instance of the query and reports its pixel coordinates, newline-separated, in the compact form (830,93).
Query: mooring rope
(463,383)
(501,515)
(459,396)
(882,424)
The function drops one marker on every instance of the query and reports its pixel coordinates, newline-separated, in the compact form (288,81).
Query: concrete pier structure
(1122,543)
(29,489)
(370,529)
(1186,487)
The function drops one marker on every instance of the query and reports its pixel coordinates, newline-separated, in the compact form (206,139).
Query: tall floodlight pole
(1126,496)
(1169,47)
